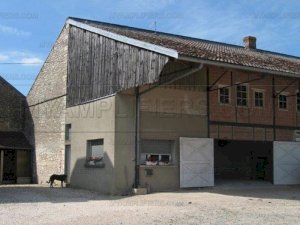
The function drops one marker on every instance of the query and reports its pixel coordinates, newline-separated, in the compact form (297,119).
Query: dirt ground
(246,204)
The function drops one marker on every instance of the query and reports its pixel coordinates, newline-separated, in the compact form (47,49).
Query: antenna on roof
(155,26)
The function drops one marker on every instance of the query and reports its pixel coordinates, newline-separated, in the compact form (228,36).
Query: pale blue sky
(29,28)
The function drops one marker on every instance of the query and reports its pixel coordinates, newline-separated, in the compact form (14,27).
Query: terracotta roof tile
(207,50)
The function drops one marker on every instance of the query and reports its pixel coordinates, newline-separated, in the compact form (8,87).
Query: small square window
(224,95)
(259,99)
(241,95)
(95,150)
(282,101)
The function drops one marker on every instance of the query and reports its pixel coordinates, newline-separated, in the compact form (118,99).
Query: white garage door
(196,162)
(286,162)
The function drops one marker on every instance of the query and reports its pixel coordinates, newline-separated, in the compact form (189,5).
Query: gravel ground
(35,204)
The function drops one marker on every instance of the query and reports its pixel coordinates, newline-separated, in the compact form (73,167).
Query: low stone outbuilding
(15,150)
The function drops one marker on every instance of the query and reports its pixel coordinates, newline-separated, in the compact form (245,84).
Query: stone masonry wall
(11,108)
(45,117)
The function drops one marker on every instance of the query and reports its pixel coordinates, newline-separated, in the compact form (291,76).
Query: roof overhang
(235,66)
(130,41)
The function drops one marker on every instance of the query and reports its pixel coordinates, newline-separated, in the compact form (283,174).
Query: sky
(28,29)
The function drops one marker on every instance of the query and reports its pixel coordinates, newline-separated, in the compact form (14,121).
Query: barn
(15,150)
(117,107)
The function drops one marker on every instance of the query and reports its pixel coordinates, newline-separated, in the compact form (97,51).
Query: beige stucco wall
(90,121)
(167,114)
(124,143)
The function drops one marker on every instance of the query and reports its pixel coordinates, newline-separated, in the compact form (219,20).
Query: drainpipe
(274,107)
(1,165)
(207,102)
(137,118)
(137,133)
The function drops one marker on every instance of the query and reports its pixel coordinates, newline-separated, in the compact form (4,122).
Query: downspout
(208,101)
(137,119)
(274,108)
(137,141)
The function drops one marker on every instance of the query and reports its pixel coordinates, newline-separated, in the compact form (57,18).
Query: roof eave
(130,41)
(235,66)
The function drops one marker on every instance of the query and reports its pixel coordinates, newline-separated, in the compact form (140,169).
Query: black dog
(62,178)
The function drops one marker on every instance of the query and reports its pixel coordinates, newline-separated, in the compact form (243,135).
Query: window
(224,95)
(95,151)
(68,132)
(259,99)
(282,101)
(156,152)
(298,102)
(241,95)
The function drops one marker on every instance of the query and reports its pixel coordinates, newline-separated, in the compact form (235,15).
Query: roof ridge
(185,37)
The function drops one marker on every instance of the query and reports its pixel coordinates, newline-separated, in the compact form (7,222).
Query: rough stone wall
(45,115)
(11,108)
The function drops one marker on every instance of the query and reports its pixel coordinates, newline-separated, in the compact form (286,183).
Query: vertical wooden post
(1,165)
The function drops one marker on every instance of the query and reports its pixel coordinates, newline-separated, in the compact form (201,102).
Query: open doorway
(9,161)
(243,161)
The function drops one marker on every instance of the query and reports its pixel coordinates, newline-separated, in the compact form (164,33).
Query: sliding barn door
(196,162)
(286,162)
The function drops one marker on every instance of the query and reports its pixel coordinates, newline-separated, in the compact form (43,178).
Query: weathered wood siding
(99,66)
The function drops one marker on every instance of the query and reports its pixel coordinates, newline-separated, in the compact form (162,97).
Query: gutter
(233,66)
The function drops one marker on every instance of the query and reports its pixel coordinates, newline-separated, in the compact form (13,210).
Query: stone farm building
(15,150)
(116,107)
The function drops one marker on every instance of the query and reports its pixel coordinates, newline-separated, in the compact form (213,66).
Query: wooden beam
(219,78)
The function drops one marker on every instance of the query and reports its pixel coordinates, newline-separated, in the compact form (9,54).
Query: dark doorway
(243,160)
(9,167)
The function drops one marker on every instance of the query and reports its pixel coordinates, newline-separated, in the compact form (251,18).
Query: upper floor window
(224,95)
(241,95)
(258,98)
(298,101)
(68,132)
(282,101)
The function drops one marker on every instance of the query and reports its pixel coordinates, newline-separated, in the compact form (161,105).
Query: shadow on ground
(252,189)
(38,193)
